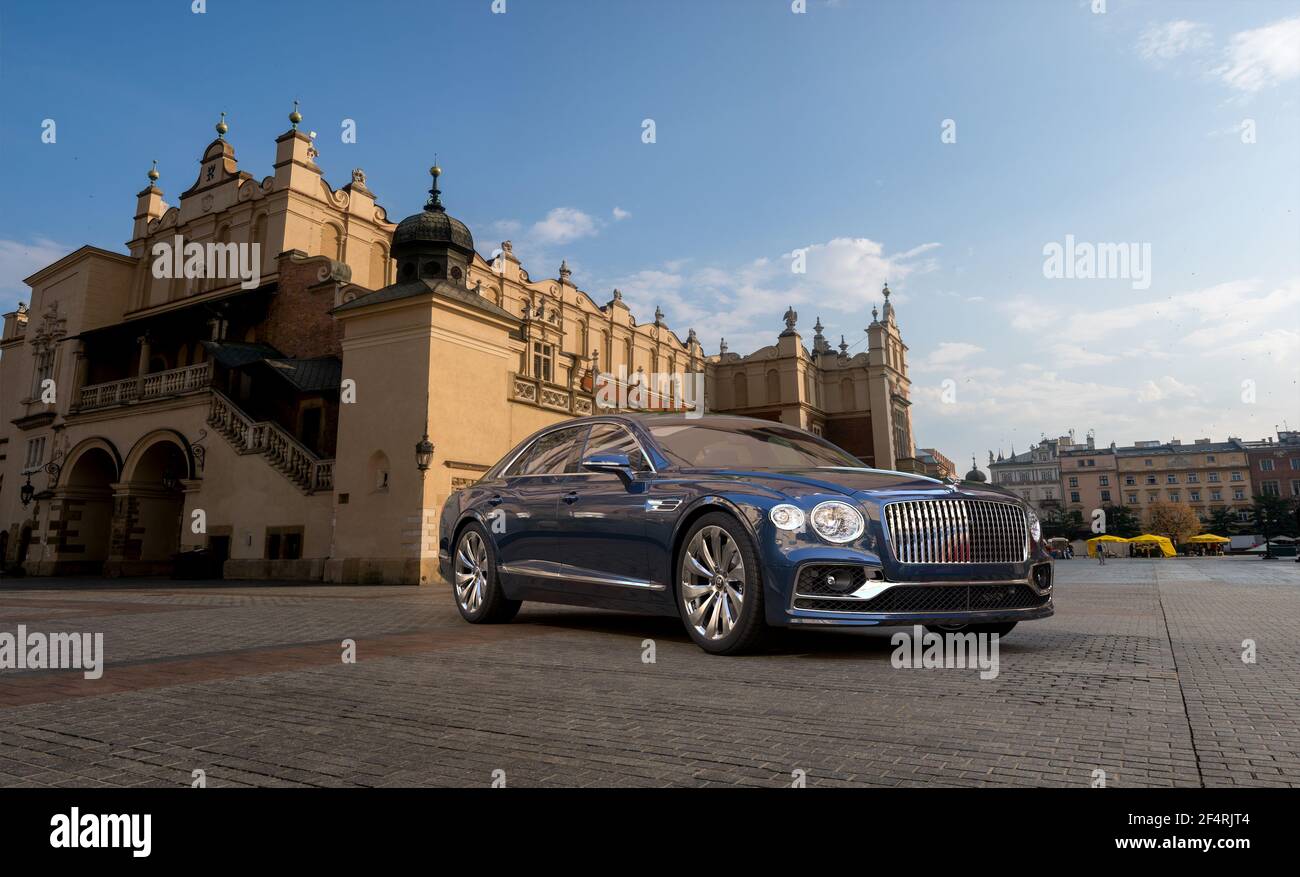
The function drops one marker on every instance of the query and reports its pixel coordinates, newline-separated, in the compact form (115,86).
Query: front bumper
(863,597)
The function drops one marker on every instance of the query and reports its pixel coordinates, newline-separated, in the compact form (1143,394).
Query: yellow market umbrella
(1092,543)
(1166,547)
(1207,538)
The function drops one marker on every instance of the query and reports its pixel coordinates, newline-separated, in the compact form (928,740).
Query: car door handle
(496,500)
(571,497)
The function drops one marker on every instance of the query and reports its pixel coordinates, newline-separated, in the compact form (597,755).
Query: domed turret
(975,474)
(432,245)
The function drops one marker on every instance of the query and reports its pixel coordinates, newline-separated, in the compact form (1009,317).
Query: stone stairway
(282,451)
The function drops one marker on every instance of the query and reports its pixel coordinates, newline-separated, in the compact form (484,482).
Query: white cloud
(1165,387)
(1262,57)
(563,225)
(1164,42)
(947,354)
(843,276)
(620,214)
(1203,319)
(19,260)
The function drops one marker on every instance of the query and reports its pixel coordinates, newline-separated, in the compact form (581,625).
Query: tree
(1122,522)
(1221,522)
(1272,519)
(1174,520)
(1060,523)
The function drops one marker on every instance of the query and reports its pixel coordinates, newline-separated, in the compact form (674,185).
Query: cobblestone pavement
(1139,675)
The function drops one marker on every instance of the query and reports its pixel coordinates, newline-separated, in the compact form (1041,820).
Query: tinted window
(609,439)
(708,446)
(553,454)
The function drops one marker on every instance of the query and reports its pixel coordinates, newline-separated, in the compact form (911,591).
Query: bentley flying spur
(737,525)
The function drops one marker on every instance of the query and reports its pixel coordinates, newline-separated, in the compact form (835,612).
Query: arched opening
(773,386)
(741,390)
(152,501)
(86,498)
(848,402)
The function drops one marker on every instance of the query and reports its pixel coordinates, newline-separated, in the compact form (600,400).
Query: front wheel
(474,579)
(720,587)
(1000,628)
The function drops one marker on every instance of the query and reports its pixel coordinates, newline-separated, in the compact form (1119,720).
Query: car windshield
(710,446)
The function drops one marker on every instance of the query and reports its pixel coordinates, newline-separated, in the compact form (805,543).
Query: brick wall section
(298,321)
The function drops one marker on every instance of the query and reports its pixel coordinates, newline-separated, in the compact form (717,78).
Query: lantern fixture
(424,453)
(26,492)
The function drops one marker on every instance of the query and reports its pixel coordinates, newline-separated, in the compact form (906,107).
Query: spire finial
(295,117)
(886,290)
(222,128)
(153,173)
(435,195)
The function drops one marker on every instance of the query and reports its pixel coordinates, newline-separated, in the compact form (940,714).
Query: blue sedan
(737,525)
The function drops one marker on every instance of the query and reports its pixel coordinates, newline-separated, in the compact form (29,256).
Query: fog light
(1043,577)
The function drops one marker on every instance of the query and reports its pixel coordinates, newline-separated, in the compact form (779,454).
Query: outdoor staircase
(283,452)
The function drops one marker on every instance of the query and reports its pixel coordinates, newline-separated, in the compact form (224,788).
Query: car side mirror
(618,464)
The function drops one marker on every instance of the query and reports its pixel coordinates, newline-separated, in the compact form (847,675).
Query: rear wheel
(1001,628)
(474,579)
(720,587)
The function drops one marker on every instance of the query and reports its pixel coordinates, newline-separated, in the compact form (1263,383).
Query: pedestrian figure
(1101,555)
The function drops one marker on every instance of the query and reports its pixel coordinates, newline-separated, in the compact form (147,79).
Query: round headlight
(837,521)
(786,517)
(1035,526)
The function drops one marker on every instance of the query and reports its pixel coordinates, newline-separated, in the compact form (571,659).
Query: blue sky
(775,131)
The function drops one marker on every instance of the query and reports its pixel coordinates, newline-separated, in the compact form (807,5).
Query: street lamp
(424,453)
(27,491)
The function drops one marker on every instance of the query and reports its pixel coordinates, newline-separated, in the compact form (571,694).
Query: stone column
(81,368)
(144,365)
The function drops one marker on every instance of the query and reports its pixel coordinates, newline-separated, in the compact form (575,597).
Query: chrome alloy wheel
(471,572)
(713,583)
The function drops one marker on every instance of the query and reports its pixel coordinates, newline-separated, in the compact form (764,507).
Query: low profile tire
(474,580)
(1001,629)
(720,586)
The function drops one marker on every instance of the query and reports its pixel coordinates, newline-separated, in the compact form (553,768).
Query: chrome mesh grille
(957,531)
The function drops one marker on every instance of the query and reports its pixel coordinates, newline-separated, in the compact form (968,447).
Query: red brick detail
(298,321)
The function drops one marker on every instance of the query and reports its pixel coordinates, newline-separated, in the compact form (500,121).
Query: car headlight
(1035,526)
(787,517)
(837,521)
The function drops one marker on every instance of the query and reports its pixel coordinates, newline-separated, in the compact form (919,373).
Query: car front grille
(935,598)
(957,531)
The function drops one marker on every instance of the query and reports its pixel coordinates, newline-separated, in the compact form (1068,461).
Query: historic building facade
(859,402)
(273,417)
(1206,475)
(1034,475)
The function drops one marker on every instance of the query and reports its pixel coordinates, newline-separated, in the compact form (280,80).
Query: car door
(602,523)
(523,520)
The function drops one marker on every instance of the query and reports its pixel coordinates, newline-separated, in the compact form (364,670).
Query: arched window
(773,386)
(259,238)
(848,402)
(378,266)
(741,390)
(331,241)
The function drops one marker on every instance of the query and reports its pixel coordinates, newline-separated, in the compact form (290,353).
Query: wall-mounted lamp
(424,453)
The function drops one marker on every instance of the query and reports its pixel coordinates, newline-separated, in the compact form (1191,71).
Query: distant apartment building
(1089,478)
(1035,474)
(1275,465)
(1206,475)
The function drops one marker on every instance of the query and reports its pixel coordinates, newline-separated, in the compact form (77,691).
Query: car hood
(871,484)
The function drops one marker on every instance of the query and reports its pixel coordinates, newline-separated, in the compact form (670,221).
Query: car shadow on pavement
(780,642)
